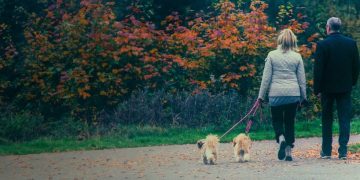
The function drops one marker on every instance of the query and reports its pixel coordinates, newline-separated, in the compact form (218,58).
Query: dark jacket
(337,64)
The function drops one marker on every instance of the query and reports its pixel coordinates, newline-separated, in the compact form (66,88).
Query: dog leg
(215,158)
(212,162)
(246,157)
(205,160)
(247,154)
(212,159)
(237,159)
(242,153)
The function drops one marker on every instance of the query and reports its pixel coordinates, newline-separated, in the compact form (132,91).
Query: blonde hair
(287,41)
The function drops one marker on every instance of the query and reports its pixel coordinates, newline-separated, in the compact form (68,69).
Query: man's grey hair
(334,23)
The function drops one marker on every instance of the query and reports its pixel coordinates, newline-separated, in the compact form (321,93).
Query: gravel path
(179,162)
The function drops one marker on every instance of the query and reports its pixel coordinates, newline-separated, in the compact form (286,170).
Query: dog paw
(247,157)
(205,160)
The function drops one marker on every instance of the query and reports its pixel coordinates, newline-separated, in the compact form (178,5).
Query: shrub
(24,126)
(183,109)
(21,126)
(80,58)
(7,66)
(64,127)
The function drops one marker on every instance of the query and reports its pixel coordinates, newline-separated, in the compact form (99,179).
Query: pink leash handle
(248,126)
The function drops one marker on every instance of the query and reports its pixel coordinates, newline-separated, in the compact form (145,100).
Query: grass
(355,148)
(134,136)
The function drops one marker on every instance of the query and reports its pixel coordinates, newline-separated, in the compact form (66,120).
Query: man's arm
(318,69)
(355,66)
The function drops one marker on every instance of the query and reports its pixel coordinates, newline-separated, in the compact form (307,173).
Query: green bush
(21,126)
(166,109)
(64,127)
(25,126)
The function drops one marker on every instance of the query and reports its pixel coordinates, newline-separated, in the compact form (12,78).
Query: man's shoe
(342,152)
(324,156)
(342,157)
(281,152)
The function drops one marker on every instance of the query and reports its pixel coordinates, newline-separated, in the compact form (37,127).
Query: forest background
(85,68)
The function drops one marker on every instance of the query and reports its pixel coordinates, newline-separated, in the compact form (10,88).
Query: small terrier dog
(242,145)
(209,149)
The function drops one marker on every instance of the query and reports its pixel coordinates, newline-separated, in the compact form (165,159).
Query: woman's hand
(260,101)
(304,103)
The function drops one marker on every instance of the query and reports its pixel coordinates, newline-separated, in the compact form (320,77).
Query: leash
(248,126)
(250,122)
(252,112)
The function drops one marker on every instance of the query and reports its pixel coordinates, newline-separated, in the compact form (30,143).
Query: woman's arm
(300,73)
(266,78)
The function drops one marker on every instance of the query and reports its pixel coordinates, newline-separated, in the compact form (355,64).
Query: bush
(21,126)
(64,127)
(80,57)
(27,126)
(80,60)
(184,109)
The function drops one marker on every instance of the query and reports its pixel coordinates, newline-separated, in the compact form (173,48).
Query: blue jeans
(343,104)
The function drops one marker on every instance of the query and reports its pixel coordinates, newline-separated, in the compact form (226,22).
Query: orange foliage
(88,58)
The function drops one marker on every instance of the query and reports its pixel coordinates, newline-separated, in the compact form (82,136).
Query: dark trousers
(343,104)
(283,119)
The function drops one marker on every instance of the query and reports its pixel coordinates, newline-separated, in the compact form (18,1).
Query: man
(336,71)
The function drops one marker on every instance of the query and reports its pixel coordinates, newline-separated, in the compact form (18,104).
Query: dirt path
(180,162)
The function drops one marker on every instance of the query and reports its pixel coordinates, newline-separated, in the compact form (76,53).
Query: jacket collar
(335,33)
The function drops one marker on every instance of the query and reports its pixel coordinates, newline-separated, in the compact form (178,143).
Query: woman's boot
(288,156)
(281,152)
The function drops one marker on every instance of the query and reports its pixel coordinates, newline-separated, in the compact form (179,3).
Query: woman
(284,77)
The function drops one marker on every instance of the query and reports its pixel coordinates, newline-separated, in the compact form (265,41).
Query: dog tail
(212,140)
(246,141)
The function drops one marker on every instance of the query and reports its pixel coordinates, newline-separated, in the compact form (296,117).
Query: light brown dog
(242,145)
(209,149)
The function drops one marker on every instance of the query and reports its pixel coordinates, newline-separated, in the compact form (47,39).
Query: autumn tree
(82,59)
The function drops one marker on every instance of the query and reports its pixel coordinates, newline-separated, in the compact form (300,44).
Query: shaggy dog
(242,144)
(209,149)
